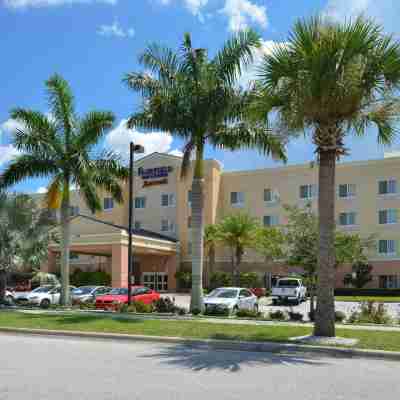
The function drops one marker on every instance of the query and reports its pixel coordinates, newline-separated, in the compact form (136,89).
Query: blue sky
(93,43)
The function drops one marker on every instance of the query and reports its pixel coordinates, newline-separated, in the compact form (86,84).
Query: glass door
(162,281)
(149,280)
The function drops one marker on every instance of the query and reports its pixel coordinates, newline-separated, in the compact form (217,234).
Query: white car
(230,299)
(9,297)
(44,296)
(289,289)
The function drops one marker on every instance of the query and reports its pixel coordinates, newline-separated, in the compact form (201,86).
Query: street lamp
(134,148)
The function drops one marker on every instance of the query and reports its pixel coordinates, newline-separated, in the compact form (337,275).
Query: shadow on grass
(209,359)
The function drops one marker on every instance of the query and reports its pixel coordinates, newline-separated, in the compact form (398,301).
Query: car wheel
(274,302)
(45,303)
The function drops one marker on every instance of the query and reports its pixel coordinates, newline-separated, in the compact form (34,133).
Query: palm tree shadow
(201,358)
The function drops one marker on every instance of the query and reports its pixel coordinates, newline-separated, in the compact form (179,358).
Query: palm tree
(211,239)
(196,99)
(328,81)
(60,146)
(238,232)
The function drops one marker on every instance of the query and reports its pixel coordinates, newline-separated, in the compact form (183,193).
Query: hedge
(88,278)
(366,292)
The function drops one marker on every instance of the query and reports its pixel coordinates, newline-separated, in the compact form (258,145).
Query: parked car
(9,297)
(45,298)
(231,299)
(259,292)
(289,289)
(88,294)
(118,296)
(23,297)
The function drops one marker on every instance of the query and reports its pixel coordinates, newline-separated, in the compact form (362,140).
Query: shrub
(311,316)
(295,316)
(248,314)
(196,311)
(184,279)
(87,306)
(180,311)
(339,316)
(367,292)
(164,305)
(249,280)
(372,313)
(219,279)
(86,278)
(278,315)
(141,307)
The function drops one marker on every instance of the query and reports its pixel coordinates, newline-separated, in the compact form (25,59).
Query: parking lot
(265,306)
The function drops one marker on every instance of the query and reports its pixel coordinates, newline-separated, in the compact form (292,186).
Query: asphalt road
(47,368)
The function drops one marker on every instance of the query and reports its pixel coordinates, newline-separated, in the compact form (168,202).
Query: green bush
(196,311)
(136,307)
(184,279)
(371,313)
(87,306)
(278,315)
(339,316)
(249,280)
(367,292)
(248,314)
(220,279)
(164,305)
(295,316)
(90,278)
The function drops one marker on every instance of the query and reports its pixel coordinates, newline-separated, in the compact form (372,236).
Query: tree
(302,245)
(270,243)
(238,232)
(211,238)
(61,146)
(196,99)
(24,232)
(327,81)
(361,275)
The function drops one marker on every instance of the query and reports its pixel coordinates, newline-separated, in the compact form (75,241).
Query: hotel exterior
(367,202)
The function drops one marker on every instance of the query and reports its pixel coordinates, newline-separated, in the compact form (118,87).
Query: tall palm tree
(196,99)
(238,232)
(211,239)
(61,146)
(328,81)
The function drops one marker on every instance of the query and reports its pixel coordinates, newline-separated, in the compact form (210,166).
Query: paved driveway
(183,300)
(34,368)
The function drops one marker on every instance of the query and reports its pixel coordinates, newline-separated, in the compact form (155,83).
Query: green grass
(379,340)
(380,299)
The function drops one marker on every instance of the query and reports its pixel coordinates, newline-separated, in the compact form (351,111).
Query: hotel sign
(155,176)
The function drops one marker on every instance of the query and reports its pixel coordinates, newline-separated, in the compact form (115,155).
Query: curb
(215,344)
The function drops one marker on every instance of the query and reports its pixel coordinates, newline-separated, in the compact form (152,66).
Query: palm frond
(142,83)
(54,193)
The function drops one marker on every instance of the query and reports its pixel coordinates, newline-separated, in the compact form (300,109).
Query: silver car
(87,294)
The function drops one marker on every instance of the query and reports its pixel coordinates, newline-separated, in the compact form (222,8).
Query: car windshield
(84,290)
(119,291)
(42,289)
(288,283)
(224,293)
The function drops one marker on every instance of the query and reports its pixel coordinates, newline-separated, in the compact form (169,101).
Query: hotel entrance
(156,280)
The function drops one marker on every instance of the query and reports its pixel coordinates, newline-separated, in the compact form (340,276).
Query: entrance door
(156,281)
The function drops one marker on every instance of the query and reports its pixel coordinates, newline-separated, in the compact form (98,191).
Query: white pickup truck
(289,289)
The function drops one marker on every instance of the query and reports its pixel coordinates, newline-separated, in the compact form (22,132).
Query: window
(189,223)
(108,203)
(138,225)
(140,202)
(190,197)
(347,190)
(245,293)
(237,199)
(387,186)
(389,282)
(387,247)
(167,225)
(347,218)
(167,200)
(73,256)
(270,220)
(308,191)
(73,211)
(268,195)
(387,216)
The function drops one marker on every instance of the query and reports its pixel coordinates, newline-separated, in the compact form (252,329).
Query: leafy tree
(362,275)
(24,233)
(330,80)
(270,242)
(61,146)
(196,98)
(238,232)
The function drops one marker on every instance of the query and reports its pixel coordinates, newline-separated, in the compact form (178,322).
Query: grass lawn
(188,329)
(357,299)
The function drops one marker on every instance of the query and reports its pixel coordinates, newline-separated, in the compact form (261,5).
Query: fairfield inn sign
(155,176)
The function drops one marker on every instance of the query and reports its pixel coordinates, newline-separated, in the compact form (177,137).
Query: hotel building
(367,202)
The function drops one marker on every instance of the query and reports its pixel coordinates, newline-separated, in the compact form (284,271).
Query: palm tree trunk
(325,315)
(3,285)
(211,262)
(65,250)
(238,261)
(196,301)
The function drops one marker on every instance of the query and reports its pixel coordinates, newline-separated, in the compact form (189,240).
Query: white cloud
(7,153)
(41,190)
(120,137)
(385,12)
(16,4)
(193,6)
(115,30)
(11,126)
(176,152)
(243,12)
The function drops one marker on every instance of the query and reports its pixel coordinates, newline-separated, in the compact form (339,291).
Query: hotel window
(387,186)
(167,225)
(271,220)
(108,203)
(237,199)
(347,218)
(388,216)
(189,222)
(347,190)
(307,192)
(270,196)
(73,211)
(167,200)
(138,225)
(387,247)
(389,282)
(140,202)
(190,197)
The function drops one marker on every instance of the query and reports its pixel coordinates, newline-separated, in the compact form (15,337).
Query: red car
(118,296)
